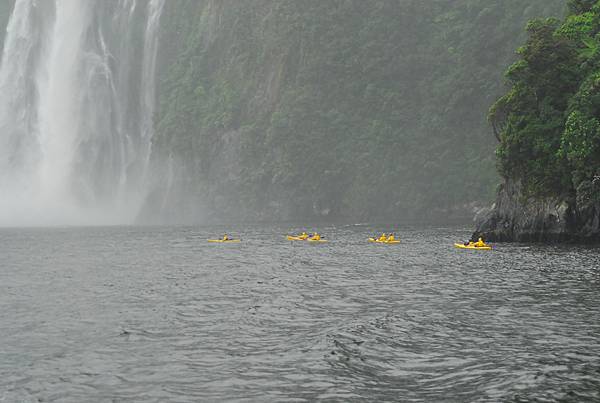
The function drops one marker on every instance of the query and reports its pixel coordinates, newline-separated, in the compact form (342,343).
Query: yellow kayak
(388,242)
(317,240)
(462,246)
(295,238)
(223,241)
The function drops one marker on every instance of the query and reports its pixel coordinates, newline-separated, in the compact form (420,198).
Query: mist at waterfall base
(76,104)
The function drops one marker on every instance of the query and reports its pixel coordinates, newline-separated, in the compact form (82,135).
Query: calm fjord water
(158,314)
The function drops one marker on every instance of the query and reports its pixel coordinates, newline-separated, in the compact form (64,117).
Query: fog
(147,111)
(299,200)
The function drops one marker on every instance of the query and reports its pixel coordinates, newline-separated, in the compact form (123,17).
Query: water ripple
(157,314)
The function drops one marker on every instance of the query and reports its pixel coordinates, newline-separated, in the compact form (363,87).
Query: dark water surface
(160,315)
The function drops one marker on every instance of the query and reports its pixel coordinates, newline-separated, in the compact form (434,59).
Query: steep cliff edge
(360,110)
(516,218)
(549,131)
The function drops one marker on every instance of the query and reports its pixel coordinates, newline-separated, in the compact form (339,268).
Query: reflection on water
(158,314)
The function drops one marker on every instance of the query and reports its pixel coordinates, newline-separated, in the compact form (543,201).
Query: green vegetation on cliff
(347,108)
(548,122)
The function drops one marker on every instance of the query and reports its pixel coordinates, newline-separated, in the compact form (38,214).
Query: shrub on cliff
(547,122)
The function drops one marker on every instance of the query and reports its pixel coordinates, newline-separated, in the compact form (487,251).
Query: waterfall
(155,8)
(77,95)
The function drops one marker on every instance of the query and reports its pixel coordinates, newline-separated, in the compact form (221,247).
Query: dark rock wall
(517,218)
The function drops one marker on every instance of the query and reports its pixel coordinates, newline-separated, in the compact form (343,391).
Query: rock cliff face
(312,110)
(517,218)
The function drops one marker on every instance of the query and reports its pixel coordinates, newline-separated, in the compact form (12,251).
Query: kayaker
(479,243)
(225,237)
(315,237)
(391,238)
(382,238)
(303,236)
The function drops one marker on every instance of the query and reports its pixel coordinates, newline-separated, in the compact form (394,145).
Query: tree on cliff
(298,108)
(547,122)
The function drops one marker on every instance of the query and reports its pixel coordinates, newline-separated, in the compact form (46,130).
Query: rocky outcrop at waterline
(518,218)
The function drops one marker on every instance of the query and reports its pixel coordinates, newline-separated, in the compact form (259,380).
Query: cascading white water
(77,96)
(59,109)
(155,8)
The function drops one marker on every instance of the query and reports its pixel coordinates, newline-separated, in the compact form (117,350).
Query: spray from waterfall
(77,95)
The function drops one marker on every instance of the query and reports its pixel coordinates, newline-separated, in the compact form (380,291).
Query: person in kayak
(303,236)
(391,238)
(479,243)
(315,237)
(225,237)
(382,238)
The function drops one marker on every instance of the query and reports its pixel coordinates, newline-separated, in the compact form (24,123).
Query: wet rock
(517,218)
